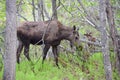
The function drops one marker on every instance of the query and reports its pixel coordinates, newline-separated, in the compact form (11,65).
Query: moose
(50,33)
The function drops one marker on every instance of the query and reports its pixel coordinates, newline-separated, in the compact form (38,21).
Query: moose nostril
(76,37)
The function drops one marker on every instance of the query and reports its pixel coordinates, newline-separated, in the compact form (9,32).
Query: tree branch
(88,18)
(18,14)
(65,8)
(22,16)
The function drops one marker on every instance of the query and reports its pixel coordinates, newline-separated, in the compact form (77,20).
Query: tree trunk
(104,40)
(113,33)
(54,10)
(40,10)
(45,11)
(33,10)
(10,41)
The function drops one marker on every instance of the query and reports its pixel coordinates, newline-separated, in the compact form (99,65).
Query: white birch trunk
(104,40)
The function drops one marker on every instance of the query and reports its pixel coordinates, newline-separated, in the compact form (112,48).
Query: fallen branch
(93,43)
(65,49)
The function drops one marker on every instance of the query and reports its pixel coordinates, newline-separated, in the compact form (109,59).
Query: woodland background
(98,60)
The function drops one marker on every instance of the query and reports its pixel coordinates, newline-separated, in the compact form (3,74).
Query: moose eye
(74,32)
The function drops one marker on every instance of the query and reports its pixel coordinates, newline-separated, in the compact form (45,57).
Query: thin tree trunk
(113,33)
(45,11)
(54,9)
(33,10)
(104,40)
(54,15)
(10,41)
(40,10)
(19,9)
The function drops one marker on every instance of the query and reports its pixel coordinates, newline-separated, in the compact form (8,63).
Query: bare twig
(19,4)
(22,16)
(18,7)
(88,18)
(31,4)
(65,8)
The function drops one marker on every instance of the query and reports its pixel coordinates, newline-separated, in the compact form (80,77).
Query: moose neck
(66,33)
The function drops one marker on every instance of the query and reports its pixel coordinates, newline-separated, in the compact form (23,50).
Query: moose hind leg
(19,49)
(54,49)
(45,50)
(26,52)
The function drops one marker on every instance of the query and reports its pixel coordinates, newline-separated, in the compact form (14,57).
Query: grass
(47,71)
(71,68)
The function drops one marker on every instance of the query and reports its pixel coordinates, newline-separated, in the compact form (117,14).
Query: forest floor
(70,69)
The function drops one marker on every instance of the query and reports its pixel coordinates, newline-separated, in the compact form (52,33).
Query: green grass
(93,66)
(47,71)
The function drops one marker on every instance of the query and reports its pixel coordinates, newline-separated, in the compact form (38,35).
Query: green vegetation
(71,69)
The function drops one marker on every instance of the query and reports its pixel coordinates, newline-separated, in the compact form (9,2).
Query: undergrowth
(71,68)
(47,71)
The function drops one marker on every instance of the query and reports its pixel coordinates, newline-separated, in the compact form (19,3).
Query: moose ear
(90,33)
(74,27)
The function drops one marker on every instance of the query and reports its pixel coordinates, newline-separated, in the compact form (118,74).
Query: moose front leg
(55,52)
(26,52)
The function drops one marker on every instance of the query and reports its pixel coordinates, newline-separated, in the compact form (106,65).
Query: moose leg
(19,49)
(45,50)
(54,49)
(26,52)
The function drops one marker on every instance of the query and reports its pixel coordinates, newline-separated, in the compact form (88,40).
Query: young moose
(50,32)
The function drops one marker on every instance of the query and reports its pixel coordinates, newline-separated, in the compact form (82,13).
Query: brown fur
(32,33)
